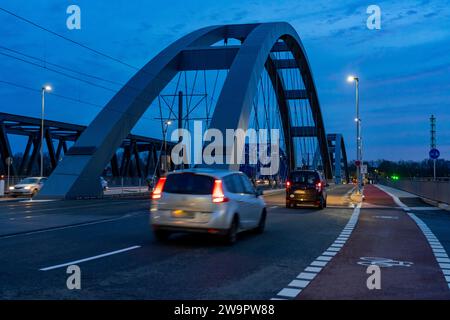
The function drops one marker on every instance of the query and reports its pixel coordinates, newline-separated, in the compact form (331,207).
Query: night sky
(404,68)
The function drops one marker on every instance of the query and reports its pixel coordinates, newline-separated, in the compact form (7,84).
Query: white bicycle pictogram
(383,262)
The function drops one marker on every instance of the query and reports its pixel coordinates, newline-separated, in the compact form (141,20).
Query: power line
(67,39)
(83,45)
(53,94)
(68,98)
(61,67)
(59,72)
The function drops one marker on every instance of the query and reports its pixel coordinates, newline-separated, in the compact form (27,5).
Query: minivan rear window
(303,177)
(189,183)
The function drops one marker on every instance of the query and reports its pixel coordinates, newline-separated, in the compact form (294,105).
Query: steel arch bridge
(271,48)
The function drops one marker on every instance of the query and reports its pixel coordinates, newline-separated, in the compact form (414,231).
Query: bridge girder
(85,160)
(338,156)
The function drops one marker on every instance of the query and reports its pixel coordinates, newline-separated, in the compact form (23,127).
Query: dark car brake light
(319,186)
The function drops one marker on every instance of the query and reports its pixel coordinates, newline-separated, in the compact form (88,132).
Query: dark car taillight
(319,186)
(288,185)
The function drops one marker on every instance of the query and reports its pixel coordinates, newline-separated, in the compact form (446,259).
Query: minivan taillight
(319,186)
(217,195)
(156,194)
(288,184)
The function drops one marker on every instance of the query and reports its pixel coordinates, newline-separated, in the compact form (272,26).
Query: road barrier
(438,190)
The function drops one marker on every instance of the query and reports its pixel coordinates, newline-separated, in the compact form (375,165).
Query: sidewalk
(384,230)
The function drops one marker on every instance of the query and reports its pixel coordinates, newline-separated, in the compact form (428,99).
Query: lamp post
(46,88)
(163,145)
(358,134)
(167,124)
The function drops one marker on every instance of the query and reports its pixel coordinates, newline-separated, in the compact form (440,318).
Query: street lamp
(163,145)
(358,133)
(166,127)
(45,88)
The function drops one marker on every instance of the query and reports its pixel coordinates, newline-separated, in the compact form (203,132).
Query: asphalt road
(45,235)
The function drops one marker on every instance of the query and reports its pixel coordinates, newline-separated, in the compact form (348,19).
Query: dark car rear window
(189,183)
(304,177)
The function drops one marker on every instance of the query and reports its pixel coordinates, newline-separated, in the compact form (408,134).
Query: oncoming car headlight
(27,188)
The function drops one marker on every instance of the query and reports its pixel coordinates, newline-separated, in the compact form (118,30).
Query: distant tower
(433,132)
(433,141)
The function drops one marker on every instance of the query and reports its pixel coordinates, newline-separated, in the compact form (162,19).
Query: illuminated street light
(351,78)
(355,79)
(45,88)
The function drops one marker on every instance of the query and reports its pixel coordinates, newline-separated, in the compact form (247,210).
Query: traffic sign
(434,153)
(9,161)
(364,169)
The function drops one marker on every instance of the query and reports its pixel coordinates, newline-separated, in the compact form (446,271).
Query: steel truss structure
(132,162)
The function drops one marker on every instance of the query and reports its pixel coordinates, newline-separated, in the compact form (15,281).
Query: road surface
(110,240)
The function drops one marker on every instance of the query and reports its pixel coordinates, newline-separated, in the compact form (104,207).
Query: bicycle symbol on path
(383,262)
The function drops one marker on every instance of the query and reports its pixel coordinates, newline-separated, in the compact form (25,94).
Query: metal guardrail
(438,190)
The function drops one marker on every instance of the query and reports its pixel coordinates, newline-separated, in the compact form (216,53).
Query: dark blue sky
(404,68)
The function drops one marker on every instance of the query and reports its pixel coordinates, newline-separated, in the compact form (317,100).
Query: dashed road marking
(443,259)
(289,292)
(89,259)
(294,288)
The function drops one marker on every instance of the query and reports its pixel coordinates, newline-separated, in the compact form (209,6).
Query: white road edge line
(432,240)
(89,259)
(294,288)
(125,216)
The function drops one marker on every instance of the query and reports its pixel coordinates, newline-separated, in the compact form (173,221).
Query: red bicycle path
(385,231)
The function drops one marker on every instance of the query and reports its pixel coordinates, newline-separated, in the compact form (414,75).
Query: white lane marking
(31,200)
(89,259)
(310,272)
(324,258)
(128,215)
(299,283)
(313,269)
(424,208)
(37,210)
(288,292)
(273,207)
(306,276)
(433,241)
(318,263)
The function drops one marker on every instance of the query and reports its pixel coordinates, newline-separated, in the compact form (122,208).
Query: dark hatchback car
(306,187)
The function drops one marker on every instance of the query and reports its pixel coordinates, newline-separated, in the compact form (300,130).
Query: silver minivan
(204,200)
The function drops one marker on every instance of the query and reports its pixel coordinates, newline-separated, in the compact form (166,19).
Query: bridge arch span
(77,173)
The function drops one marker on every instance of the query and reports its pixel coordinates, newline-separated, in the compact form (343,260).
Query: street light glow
(47,88)
(351,78)
(169,122)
